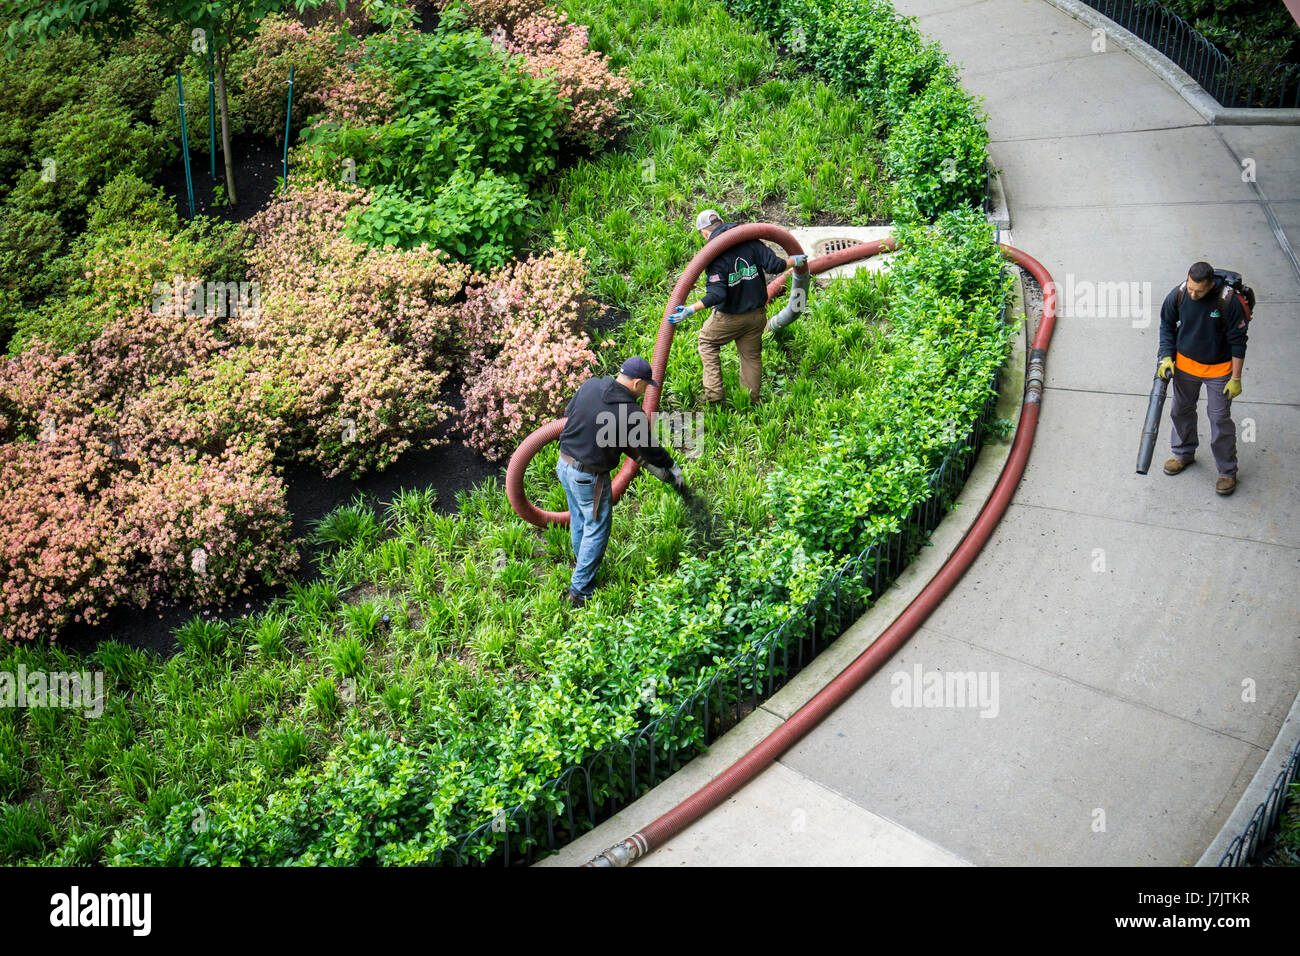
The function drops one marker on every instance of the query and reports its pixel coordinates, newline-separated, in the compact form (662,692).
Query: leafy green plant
(348,656)
(346,525)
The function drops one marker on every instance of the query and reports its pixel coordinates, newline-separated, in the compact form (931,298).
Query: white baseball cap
(706,217)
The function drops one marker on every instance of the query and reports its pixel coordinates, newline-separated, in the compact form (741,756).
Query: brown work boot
(1174,465)
(1226,484)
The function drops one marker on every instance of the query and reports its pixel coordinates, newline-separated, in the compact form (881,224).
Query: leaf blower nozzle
(1151,428)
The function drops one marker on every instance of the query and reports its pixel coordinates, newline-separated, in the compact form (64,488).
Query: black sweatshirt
(1210,330)
(606,422)
(736,279)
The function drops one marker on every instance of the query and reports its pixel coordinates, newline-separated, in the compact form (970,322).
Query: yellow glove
(1233,388)
(1166,365)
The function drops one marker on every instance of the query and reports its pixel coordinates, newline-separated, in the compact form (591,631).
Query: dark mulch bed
(258,162)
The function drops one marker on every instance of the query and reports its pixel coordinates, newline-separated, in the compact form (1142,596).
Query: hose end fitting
(1035,376)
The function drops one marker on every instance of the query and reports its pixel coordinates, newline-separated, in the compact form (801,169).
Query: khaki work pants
(746,330)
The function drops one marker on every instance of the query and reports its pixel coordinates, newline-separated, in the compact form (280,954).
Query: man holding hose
(737,292)
(604,423)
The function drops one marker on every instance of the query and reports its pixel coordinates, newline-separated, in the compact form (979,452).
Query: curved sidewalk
(1137,637)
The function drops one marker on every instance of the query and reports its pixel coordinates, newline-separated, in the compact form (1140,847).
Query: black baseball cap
(637,367)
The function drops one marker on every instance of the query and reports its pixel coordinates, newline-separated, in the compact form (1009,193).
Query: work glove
(800,262)
(679,313)
(678,480)
(1166,365)
(1233,388)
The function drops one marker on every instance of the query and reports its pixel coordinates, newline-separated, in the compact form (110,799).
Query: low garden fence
(587,794)
(1241,851)
(1274,85)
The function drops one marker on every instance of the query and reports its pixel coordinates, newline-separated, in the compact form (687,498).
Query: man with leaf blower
(1203,327)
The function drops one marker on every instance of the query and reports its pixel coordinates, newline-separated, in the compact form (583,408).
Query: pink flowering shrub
(551,45)
(527,349)
(311,275)
(361,97)
(488,13)
(261,71)
(61,545)
(141,463)
(209,528)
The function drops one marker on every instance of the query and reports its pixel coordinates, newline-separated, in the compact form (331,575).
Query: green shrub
(479,219)
(137,69)
(452,169)
(30,245)
(90,142)
(937,147)
(128,200)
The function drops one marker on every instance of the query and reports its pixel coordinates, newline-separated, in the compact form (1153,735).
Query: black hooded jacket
(737,279)
(605,422)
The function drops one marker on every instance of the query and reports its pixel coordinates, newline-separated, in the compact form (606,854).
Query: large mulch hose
(730,781)
(550,432)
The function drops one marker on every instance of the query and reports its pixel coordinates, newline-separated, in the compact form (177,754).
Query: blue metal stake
(185,144)
(288,112)
(212,116)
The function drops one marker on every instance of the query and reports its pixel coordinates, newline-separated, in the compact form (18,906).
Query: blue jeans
(588,526)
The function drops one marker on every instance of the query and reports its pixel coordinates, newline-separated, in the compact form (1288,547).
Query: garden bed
(426,676)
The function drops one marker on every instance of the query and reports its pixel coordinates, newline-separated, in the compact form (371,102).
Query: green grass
(719,122)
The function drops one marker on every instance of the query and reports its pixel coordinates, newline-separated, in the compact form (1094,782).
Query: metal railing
(587,794)
(1232,85)
(1241,851)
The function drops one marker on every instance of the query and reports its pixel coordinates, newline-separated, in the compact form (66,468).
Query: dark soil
(259,161)
(447,468)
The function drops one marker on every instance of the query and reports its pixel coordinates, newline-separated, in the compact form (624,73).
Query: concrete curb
(1174,76)
(861,634)
(1278,756)
(999,213)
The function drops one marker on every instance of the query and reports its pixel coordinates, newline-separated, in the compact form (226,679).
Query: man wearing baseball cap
(604,423)
(737,292)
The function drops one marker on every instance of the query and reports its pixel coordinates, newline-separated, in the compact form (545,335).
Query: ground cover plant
(433,679)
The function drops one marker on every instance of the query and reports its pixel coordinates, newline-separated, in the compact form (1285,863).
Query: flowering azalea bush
(311,274)
(208,528)
(262,71)
(551,45)
(61,541)
(523,334)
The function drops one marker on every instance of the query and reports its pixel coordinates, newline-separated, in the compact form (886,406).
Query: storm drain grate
(823,246)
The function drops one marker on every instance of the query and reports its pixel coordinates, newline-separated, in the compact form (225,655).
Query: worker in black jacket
(1203,342)
(737,292)
(604,423)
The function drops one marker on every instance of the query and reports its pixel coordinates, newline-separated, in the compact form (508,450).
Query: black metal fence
(587,794)
(1241,851)
(1233,85)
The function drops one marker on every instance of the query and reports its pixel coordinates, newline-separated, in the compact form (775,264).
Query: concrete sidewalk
(1141,634)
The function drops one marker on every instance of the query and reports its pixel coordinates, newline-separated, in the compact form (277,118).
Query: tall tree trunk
(219,59)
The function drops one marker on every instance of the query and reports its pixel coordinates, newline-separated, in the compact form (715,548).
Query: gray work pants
(1183,437)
